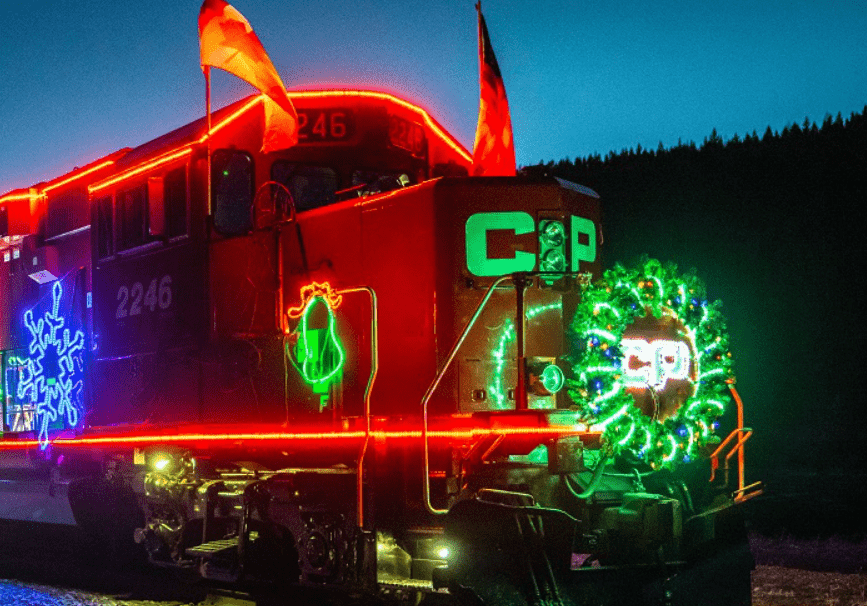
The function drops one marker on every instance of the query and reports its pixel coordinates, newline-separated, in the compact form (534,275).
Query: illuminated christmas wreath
(612,369)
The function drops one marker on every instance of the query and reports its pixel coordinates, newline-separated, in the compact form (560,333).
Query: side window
(310,186)
(175,195)
(104,227)
(131,211)
(19,413)
(232,190)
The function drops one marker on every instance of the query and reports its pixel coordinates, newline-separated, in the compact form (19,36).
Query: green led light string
(598,387)
(319,366)
(501,355)
(318,361)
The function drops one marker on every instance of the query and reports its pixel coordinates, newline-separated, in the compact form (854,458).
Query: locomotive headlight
(443,553)
(552,248)
(544,377)
(552,234)
(554,260)
(162,462)
(552,378)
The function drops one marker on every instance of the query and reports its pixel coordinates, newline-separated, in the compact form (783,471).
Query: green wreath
(598,388)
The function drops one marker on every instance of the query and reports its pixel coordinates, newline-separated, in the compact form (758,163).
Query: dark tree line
(775,225)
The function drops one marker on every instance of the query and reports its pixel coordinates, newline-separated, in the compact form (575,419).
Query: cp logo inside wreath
(659,369)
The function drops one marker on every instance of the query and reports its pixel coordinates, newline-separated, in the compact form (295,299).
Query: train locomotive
(341,366)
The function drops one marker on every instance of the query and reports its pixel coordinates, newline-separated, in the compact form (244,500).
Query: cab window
(310,186)
(131,211)
(104,226)
(176,202)
(232,191)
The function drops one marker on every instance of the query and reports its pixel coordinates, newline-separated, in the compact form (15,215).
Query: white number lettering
(150,299)
(165,293)
(136,295)
(122,297)
(158,293)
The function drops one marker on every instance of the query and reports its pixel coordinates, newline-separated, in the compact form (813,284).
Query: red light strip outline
(73,177)
(178,152)
(14,197)
(141,168)
(70,177)
(447,138)
(173,154)
(415,434)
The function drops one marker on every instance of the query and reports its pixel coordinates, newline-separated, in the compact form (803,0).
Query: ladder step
(214,549)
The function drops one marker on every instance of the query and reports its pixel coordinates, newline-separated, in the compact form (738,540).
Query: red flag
(229,43)
(494,149)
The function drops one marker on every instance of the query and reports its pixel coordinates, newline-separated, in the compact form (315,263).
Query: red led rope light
(73,177)
(13,197)
(180,151)
(413,434)
(429,121)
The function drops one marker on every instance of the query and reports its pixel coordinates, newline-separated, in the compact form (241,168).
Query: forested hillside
(775,225)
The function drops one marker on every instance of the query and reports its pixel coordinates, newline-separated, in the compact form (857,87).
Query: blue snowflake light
(52,376)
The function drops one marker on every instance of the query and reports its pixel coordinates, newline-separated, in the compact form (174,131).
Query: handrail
(435,383)
(374,367)
(743,434)
(452,353)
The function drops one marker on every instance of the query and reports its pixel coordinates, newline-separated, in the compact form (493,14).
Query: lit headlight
(552,378)
(552,234)
(554,260)
(552,250)
(161,462)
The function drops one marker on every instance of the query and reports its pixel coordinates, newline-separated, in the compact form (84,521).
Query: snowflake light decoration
(52,376)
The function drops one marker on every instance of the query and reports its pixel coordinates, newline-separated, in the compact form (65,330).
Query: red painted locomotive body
(302,366)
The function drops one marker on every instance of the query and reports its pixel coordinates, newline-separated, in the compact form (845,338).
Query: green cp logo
(560,249)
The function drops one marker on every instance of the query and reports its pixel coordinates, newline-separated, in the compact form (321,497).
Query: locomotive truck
(341,366)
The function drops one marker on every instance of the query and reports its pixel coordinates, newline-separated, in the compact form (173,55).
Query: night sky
(82,78)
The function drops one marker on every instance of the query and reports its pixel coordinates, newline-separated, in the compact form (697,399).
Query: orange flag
(229,43)
(494,149)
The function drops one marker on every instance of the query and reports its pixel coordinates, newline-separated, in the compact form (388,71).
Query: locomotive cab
(188,291)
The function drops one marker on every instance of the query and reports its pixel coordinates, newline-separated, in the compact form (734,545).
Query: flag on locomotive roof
(494,149)
(228,42)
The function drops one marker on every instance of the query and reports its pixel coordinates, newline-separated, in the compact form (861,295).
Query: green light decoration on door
(317,353)
(501,355)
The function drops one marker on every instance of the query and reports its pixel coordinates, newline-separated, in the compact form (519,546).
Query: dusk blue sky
(82,78)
